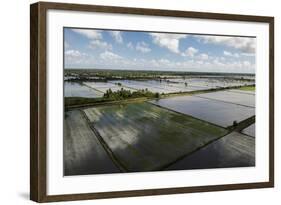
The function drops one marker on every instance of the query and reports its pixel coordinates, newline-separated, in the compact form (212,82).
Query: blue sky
(131,50)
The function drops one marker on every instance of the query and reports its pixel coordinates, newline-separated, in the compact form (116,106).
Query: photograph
(144,101)
(141,101)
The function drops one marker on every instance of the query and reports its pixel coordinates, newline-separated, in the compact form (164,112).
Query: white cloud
(75,57)
(107,55)
(236,55)
(164,61)
(143,47)
(108,59)
(100,44)
(130,45)
(117,35)
(248,54)
(66,44)
(203,56)
(195,64)
(246,63)
(227,53)
(199,62)
(245,44)
(217,62)
(190,52)
(169,41)
(91,34)
(73,53)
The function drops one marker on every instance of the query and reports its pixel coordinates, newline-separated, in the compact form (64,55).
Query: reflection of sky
(232,150)
(83,153)
(128,133)
(96,89)
(231,97)
(178,84)
(86,48)
(139,134)
(214,111)
(72,89)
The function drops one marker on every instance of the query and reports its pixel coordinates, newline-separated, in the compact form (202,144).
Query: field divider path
(190,153)
(93,88)
(234,91)
(243,124)
(240,126)
(125,86)
(116,102)
(195,92)
(114,159)
(223,101)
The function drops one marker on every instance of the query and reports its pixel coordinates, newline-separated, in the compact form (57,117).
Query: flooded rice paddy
(139,134)
(215,111)
(250,130)
(83,153)
(176,132)
(73,89)
(232,150)
(238,98)
(165,86)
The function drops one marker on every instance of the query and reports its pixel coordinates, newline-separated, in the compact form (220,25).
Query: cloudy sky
(105,49)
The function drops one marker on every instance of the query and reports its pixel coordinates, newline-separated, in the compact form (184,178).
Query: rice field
(210,82)
(214,111)
(83,153)
(153,86)
(139,134)
(171,133)
(251,130)
(73,89)
(175,85)
(97,85)
(249,92)
(104,86)
(160,86)
(238,98)
(232,150)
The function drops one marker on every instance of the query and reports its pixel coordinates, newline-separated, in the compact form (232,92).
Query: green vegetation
(75,101)
(104,75)
(123,94)
(110,96)
(248,88)
(239,126)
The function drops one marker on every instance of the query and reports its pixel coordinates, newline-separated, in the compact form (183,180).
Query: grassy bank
(110,96)
(248,88)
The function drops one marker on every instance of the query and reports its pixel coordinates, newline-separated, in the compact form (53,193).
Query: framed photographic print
(134,102)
